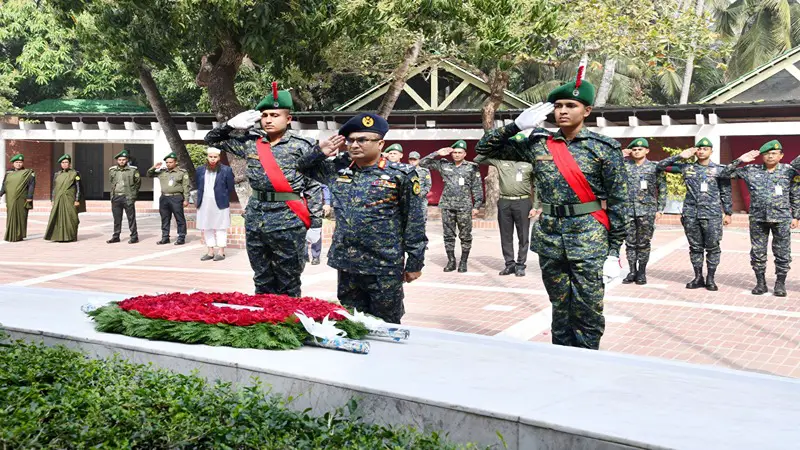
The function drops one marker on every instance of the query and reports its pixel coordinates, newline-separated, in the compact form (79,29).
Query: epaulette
(605,139)
(542,133)
(309,141)
(402,167)
(112,167)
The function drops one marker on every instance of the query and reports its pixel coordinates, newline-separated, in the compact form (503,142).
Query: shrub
(198,154)
(54,397)
(676,188)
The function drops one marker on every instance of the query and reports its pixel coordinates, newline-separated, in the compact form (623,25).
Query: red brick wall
(39,157)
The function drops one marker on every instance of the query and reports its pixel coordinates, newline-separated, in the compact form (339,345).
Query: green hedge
(54,397)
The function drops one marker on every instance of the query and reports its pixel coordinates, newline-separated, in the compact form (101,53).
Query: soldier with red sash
(277,216)
(577,240)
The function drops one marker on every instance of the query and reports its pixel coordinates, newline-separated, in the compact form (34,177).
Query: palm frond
(671,83)
(794,11)
(729,17)
(538,93)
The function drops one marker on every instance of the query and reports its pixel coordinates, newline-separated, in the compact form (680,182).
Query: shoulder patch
(796,179)
(132,167)
(112,167)
(405,168)
(307,140)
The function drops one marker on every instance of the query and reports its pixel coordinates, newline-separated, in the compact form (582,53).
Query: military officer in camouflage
(379,240)
(276,218)
(175,185)
(774,207)
(647,197)
(125,182)
(461,199)
(708,197)
(576,239)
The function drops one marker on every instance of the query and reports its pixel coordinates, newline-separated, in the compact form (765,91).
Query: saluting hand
(533,116)
(408,277)
(749,156)
(245,120)
(444,151)
(332,145)
(626,152)
(688,153)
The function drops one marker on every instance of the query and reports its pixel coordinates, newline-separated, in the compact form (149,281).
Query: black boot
(641,273)
(780,286)
(631,272)
(451,261)
(462,265)
(761,285)
(710,284)
(509,270)
(698,281)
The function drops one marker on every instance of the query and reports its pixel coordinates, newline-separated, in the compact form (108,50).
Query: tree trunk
(498,81)
(218,74)
(399,79)
(164,118)
(609,69)
(689,69)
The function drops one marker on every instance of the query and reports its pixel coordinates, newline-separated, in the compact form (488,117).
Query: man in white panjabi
(214,187)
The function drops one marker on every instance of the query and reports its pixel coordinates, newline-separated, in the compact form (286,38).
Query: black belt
(265,196)
(571,210)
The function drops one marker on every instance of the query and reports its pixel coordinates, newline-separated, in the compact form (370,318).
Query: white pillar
(160,150)
(69,149)
(3,165)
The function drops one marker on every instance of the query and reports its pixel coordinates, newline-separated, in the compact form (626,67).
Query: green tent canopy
(86,106)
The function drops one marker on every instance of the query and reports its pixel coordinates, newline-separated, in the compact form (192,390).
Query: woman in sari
(18,187)
(66,198)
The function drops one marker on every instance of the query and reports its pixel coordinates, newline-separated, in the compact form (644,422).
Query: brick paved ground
(729,328)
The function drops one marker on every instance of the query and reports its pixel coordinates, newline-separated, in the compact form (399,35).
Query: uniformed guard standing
(394,153)
(774,207)
(461,199)
(576,239)
(514,209)
(708,196)
(175,186)
(277,217)
(379,240)
(425,180)
(125,182)
(647,197)
(18,187)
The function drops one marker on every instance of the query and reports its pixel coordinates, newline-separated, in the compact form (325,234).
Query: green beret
(639,142)
(395,148)
(584,94)
(460,144)
(284,101)
(704,143)
(65,156)
(17,157)
(171,155)
(769,146)
(121,154)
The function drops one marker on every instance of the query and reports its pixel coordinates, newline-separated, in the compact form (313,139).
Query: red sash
(569,169)
(279,182)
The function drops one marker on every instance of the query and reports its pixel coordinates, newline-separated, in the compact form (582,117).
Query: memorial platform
(472,387)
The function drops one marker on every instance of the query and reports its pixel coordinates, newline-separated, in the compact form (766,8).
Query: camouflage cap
(413,155)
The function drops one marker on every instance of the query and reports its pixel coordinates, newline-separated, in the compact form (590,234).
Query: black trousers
(167,207)
(120,203)
(511,214)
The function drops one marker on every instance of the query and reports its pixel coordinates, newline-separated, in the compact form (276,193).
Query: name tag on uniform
(344,180)
(703,187)
(778,190)
(643,184)
(461,181)
(544,158)
(519,175)
(252,155)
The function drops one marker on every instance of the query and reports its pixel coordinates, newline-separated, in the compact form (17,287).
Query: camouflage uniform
(647,195)
(463,192)
(571,249)
(275,235)
(774,202)
(379,219)
(708,195)
(125,183)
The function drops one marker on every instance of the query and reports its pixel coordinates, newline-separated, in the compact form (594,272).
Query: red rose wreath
(263,321)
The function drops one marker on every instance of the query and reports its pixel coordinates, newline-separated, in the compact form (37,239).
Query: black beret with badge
(365,123)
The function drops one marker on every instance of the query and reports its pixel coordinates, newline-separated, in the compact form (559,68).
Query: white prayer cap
(213,151)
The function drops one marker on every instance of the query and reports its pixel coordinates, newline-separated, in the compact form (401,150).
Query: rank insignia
(78,178)
(384,177)
(367,121)
(384,183)
(796,179)
(344,179)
